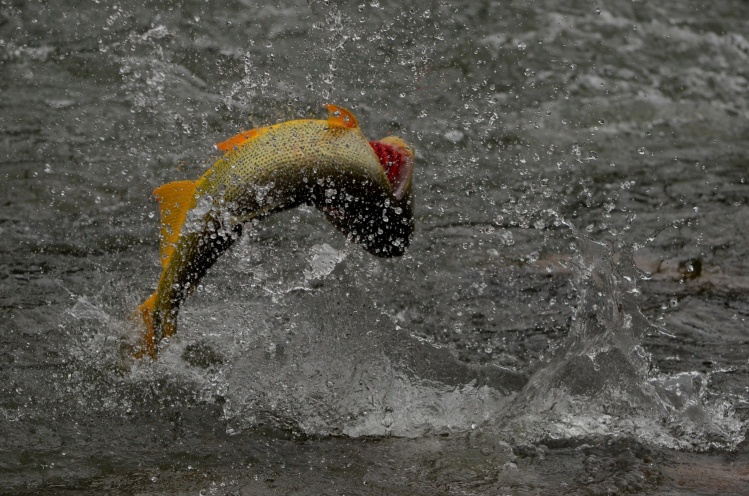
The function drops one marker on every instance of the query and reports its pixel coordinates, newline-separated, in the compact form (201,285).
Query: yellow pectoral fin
(340,117)
(237,140)
(175,199)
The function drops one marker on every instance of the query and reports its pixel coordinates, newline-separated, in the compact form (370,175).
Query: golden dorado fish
(364,188)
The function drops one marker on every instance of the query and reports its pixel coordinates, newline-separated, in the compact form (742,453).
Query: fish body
(364,188)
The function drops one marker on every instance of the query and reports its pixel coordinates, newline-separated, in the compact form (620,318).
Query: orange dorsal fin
(340,117)
(175,199)
(237,140)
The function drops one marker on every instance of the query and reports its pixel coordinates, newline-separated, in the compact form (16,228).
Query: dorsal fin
(340,117)
(175,199)
(237,140)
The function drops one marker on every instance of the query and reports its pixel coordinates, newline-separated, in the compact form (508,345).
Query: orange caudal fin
(144,318)
(237,140)
(175,200)
(340,117)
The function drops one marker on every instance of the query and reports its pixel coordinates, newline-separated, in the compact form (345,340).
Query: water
(570,317)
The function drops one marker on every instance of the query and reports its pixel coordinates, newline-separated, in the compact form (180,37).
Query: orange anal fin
(340,117)
(237,140)
(175,200)
(144,319)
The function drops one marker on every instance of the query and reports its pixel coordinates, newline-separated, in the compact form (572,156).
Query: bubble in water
(641,150)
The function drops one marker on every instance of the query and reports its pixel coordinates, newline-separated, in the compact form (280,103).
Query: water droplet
(454,135)
(627,321)
(521,46)
(506,238)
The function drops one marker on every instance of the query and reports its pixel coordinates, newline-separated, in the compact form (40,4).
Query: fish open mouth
(397,159)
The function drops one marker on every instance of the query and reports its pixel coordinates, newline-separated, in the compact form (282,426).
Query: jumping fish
(364,188)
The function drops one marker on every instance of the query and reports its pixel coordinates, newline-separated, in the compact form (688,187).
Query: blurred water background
(571,317)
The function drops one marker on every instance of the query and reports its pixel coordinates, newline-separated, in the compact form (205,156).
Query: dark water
(570,318)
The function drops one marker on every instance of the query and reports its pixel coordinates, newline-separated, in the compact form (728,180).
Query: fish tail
(144,316)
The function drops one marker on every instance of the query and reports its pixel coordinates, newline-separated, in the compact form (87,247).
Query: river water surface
(570,318)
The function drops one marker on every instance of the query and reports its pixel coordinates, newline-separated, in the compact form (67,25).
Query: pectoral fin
(340,117)
(175,200)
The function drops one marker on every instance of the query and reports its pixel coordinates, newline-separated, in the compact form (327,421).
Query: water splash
(323,260)
(321,358)
(336,365)
(601,382)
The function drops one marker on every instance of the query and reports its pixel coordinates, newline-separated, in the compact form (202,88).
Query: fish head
(397,159)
